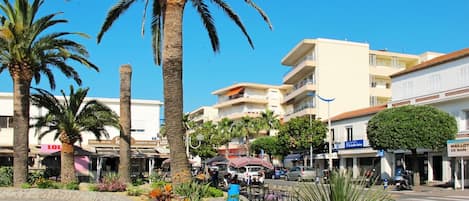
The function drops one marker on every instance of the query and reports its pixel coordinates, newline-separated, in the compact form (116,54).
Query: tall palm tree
(269,121)
(166,30)
(28,49)
(246,127)
(125,122)
(68,120)
(225,128)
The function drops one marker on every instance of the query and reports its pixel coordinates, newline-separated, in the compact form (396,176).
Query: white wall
(447,76)
(145,116)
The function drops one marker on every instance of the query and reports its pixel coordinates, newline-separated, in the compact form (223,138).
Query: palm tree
(166,30)
(225,130)
(125,119)
(269,121)
(28,49)
(69,119)
(246,127)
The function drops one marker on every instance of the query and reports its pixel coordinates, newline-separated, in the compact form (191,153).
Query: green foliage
(411,127)
(214,192)
(299,133)
(155,177)
(71,186)
(212,140)
(138,182)
(341,187)
(46,184)
(158,184)
(35,176)
(6,176)
(192,190)
(267,143)
(111,183)
(134,191)
(26,185)
(93,187)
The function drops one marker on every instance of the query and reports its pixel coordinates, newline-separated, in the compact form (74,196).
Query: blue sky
(400,25)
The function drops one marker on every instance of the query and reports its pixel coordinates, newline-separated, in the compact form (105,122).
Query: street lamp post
(329,134)
(199,138)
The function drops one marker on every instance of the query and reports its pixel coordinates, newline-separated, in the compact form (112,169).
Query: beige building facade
(355,76)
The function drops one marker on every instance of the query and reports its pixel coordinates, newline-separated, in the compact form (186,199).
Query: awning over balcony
(235,91)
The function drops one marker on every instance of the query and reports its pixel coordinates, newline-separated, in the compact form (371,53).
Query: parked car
(300,173)
(276,173)
(249,172)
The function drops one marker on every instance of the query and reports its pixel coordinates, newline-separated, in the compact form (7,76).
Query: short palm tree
(269,121)
(166,31)
(69,119)
(225,128)
(29,50)
(246,127)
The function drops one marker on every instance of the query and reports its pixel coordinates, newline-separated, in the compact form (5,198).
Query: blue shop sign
(354,144)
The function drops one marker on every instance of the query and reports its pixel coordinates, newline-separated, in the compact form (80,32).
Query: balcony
(300,91)
(385,71)
(241,100)
(380,92)
(239,115)
(298,72)
(300,113)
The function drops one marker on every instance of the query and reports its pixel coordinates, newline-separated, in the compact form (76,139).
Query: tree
(269,121)
(268,144)
(246,127)
(125,123)
(69,119)
(299,133)
(208,147)
(166,31)
(411,127)
(28,50)
(225,128)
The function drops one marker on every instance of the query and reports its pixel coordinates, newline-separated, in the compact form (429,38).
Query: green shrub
(35,176)
(341,187)
(214,192)
(111,183)
(158,184)
(46,183)
(134,191)
(26,185)
(138,182)
(71,186)
(6,176)
(93,187)
(192,190)
(155,177)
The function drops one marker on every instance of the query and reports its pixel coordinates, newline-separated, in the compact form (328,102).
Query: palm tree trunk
(21,129)
(173,96)
(125,118)
(67,163)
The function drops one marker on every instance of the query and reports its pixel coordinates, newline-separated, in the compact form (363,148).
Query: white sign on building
(458,148)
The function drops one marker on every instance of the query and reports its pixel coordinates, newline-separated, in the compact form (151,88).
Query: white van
(252,172)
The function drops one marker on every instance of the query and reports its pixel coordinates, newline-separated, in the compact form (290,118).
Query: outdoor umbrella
(243,161)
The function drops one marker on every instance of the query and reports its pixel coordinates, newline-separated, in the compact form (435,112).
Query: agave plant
(341,187)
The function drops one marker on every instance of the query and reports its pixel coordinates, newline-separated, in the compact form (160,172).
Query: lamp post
(199,138)
(329,135)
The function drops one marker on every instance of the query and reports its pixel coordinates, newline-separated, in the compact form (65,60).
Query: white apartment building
(442,82)
(147,145)
(350,72)
(249,99)
(203,114)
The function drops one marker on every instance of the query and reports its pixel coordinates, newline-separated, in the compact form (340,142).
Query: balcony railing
(306,58)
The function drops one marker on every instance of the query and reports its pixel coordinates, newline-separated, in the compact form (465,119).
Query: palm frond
(233,16)
(156,31)
(261,12)
(113,14)
(206,16)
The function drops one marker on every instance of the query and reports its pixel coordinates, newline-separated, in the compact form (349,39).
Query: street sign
(354,144)
(458,148)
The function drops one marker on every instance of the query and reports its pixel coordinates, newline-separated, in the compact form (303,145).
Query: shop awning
(235,91)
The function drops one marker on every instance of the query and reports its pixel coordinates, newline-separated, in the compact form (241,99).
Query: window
(6,122)
(466,119)
(373,59)
(333,135)
(349,133)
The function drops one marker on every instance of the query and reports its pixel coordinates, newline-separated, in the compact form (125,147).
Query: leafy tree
(269,121)
(300,133)
(225,128)
(246,128)
(270,146)
(69,120)
(208,147)
(29,50)
(411,127)
(166,31)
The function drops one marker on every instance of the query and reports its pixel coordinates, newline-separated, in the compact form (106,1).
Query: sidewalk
(435,190)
